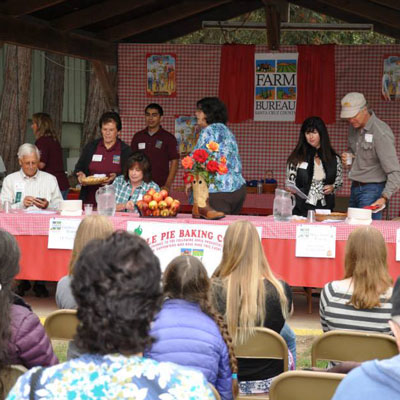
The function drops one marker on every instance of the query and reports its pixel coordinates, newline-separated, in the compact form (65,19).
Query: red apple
(145,206)
(172,212)
(165,212)
(153,205)
(169,200)
(147,198)
(156,212)
(162,204)
(139,204)
(151,191)
(157,197)
(147,212)
(164,193)
(175,205)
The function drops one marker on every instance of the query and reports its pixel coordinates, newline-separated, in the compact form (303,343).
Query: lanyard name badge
(158,144)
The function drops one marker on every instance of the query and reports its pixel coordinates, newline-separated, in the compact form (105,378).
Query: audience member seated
(361,301)
(117,288)
(22,336)
(188,332)
(245,290)
(134,183)
(91,227)
(376,379)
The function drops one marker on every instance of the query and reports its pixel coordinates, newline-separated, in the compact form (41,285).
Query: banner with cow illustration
(275,86)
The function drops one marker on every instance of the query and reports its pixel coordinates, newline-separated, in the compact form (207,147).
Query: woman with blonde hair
(187,331)
(91,227)
(362,300)
(247,293)
(51,159)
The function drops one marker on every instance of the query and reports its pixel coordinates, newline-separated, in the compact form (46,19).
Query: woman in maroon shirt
(51,159)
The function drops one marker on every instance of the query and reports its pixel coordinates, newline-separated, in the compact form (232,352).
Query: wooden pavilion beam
(41,36)
(194,23)
(395,4)
(96,13)
(160,18)
(17,8)
(273,24)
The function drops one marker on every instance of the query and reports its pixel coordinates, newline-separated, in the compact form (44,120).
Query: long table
(278,240)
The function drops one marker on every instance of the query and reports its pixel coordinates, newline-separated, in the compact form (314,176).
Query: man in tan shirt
(375,168)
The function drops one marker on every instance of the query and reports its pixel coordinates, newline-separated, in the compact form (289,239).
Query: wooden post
(273,23)
(14,104)
(97,103)
(53,92)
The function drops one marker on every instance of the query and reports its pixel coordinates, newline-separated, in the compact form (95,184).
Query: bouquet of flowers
(206,163)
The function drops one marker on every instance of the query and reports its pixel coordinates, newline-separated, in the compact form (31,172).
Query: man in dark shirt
(159,146)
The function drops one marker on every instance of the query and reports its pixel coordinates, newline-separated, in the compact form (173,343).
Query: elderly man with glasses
(372,159)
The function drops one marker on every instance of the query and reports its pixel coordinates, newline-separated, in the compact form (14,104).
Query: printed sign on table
(275,86)
(317,241)
(171,240)
(62,233)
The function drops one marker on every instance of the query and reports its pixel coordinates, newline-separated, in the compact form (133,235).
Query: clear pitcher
(105,199)
(284,203)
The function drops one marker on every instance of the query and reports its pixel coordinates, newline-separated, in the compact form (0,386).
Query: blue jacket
(372,380)
(186,336)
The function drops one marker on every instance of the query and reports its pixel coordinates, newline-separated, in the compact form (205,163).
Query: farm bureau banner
(275,86)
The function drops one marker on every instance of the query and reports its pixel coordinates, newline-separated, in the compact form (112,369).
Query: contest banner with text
(275,86)
(171,240)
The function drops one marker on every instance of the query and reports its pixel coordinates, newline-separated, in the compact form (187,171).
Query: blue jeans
(290,339)
(365,195)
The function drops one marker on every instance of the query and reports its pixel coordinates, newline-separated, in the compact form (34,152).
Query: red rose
(200,155)
(212,166)
(188,177)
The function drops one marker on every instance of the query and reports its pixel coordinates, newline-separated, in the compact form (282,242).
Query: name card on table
(316,241)
(204,241)
(62,233)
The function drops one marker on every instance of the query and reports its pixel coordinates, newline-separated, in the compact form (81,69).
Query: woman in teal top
(229,191)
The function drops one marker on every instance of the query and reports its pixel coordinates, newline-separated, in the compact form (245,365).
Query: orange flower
(187,162)
(213,146)
(223,160)
(222,169)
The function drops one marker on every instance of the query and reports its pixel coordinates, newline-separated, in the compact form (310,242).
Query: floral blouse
(114,377)
(228,147)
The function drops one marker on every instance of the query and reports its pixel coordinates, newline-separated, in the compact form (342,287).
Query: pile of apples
(158,204)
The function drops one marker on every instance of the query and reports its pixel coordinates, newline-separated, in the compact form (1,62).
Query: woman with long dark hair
(314,167)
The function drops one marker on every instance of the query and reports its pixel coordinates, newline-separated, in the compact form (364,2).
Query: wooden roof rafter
(17,8)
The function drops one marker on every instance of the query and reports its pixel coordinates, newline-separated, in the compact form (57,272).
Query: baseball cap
(352,104)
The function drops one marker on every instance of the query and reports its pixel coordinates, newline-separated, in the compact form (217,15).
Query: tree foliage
(297,14)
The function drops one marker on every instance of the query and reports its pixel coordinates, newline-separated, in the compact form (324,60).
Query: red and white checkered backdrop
(262,145)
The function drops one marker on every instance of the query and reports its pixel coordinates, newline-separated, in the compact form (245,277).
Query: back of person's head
(9,267)
(214,109)
(186,278)
(91,227)
(241,270)
(117,287)
(44,124)
(366,263)
(111,116)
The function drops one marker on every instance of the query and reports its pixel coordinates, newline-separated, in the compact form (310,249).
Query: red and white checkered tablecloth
(262,145)
(34,224)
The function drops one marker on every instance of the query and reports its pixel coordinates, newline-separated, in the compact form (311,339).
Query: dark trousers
(229,203)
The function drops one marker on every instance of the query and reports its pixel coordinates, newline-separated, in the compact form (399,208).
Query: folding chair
(265,343)
(353,346)
(61,325)
(304,385)
(8,377)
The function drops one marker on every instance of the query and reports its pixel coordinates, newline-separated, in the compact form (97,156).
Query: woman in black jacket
(314,167)
(106,155)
